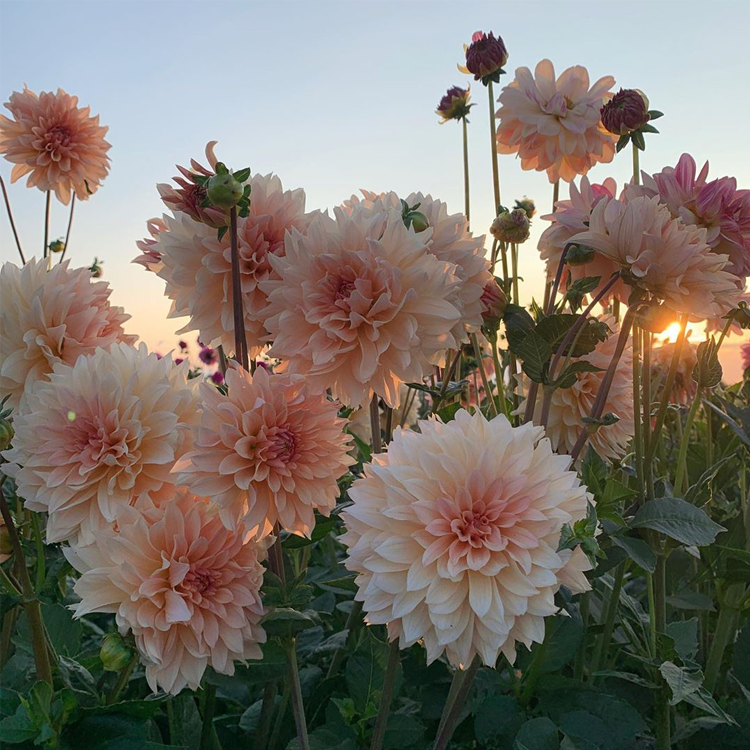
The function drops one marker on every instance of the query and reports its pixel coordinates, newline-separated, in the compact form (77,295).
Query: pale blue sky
(335,96)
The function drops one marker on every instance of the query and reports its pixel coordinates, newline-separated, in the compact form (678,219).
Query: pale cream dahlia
(361,305)
(48,317)
(570,405)
(553,124)
(268,451)
(186,587)
(453,534)
(662,255)
(98,434)
(57,143)
(450,241)
(197,266)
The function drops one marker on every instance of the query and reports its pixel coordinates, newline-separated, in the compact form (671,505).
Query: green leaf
(518,323)
(584,727)
(654,114)
(64,632)
(323,527)
(638,140)
(701,491)
(622,142)
(628,677)
(535,353)
(497,719)
(242,175)
(637,550)
(736,428)
(703,700)
(17,728)
(741,656)
(402,730)
(568,377)
(677,519)
(187,722)
(365,670)
(682,681)
(537,734)
(108,732)
(285,621)
(684,633)
(448,413)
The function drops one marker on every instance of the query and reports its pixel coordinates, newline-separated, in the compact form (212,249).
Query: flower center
(344,289)
(472,526)
(283,445)
(58,136)
(202,581)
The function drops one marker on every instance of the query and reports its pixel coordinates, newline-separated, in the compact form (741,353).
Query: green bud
(57,246)
(115,653)
(579,255)
(224,190)
(418,221)
(6,433)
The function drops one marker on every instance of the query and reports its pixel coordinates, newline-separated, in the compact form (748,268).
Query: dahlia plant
(388,501)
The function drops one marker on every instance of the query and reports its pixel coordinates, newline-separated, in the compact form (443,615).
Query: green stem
(278,723)
(12,223)
(386,696)
(70,226)
(581,653)
(122,681)
(651,613)
(466,168)
(636,166)
(40,572)
(493,144)
(638,426)
(483,374)
(609,620)
(298,707)
(452,711)
(535,669)
(499,376)
(724,634)
(47,199)
(514,270)
(266,714)
(682,458)
(663,718)
(209,706)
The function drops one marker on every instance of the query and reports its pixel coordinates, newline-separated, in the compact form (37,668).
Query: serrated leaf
(682,681)
(677,519)
(535,353)
(637,550)
(700,492)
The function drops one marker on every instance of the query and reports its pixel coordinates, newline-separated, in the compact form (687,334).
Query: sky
(335,96)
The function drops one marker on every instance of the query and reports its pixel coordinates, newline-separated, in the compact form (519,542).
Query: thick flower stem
(638,425)
(386,696)
(122,680)
(555,196)
(636,165)
(483,374)
(452,711)
(240,340)
(70,225)
(207,728)
(663,718)
(48,197)
(466,168)
(681,472)
(609,621)
(493,144)
(29,600)
(266,714)
(724,633)
(12,223)
(296,691)
(376,439)
(535,669)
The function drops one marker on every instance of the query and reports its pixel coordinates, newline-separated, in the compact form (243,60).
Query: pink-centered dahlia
(361,305)
(48,317)
(98,434)
(186,587)
(54,141)
(451,241)
(453,534)
(571,217)
(570,405)
(269,451)
(150,257)
(198,271)
(662,255)
(553,124)
(718,206)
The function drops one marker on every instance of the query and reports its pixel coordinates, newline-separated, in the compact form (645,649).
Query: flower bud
(6,433)
(655,318)
(527,205)
(579,255)
(494,303)
(511,226)
(96,268)
(625,112)
(224,190)
(57,246)
(455,104)
(115,653)
(485,56)
(419,221)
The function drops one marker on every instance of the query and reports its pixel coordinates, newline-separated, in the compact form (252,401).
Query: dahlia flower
(269,451)
(453,534)
(451,241)
(570,405)
(625,112)
(454,105)
(571,217)
(198,271)
(361,305)
(49,317)
(184,585)
(745,354)
(662,255)
(718,206)
(494,302)
(150,257)
(97,435)
(485,57)
(553,124)
(57,143)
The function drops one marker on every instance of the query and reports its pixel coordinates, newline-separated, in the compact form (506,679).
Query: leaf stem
(122,681)
(386,696)
(298,707)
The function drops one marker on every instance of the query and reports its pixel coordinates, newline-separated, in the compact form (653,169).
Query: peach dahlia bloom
(150,257)
(269,451)
(554,124)
(361,305)
(98,434)
(745,356)
(570,405)
(450,241)
(662,255)
(197,266)
(184,585)
(48,317)
(570,218)
(453,534)
(57,143)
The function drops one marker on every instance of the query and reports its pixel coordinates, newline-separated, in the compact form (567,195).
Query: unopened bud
(57,246)
(579,255)
(494,303)
(224,190)
(511,226)
(115,653)
(6,433)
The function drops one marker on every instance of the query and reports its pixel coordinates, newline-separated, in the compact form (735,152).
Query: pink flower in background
(217,378)
(57,143)
(48,317)
(570,218)
(450,241)
(267,452)
(453,534)
(208,356)
(361,305)
(718,206)
(189,195)
(570,405)
(184,585)
(99,434)
(553,124)
(663,255)
(197,265)
(150,257)
(745,354)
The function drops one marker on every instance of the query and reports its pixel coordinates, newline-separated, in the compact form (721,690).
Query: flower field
(375,498)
